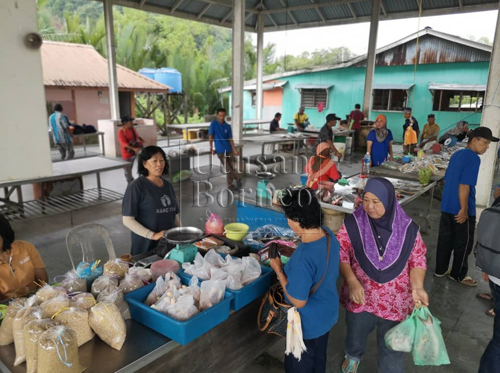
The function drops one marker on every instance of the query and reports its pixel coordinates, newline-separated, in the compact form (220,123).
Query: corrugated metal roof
(304,13)
(313,86)
(79,65)
(404,86)
(457,87)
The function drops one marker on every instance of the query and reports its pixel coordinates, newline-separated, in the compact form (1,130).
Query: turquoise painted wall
(348,90)
(249,112)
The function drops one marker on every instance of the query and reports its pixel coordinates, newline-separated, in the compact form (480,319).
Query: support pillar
(238,69)
(489,118)
(370,61)
(260,64)
(110,45)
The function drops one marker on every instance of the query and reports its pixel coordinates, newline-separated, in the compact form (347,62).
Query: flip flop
(484,296)
(490,313)
(352,367)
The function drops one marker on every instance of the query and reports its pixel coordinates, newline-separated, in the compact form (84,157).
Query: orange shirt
(25,259)
(328,175)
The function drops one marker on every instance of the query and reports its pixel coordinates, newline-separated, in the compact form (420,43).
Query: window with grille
(254,98)
(445,100)
(389,99)
(312,97)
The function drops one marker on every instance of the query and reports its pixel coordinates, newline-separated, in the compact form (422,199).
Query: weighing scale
(263,190)
(183,238)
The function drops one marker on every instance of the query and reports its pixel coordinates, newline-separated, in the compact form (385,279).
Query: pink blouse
(390,301)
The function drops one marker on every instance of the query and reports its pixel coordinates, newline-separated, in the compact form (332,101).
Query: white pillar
(370,61)
(238,69)
(260,63)
(491,113)
(110,45)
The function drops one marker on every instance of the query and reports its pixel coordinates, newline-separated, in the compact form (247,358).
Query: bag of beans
(116,267)
(51,306)
(102,282)
(72,282)
(47,292)
(83,300)
(58,351)
(24,315)
(130,283)
(115,296)
(6,336)
(107,323)
(32,332)
(78,320)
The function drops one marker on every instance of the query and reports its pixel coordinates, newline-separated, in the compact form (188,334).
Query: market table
(396,174)
(278,139)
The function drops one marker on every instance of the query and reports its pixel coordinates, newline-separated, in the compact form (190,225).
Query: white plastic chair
(88,243)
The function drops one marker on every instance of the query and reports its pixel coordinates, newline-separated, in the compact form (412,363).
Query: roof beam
(320,13)
(176,5)
(460,4)
(228,14)
(270,16)
(309,6)
(351,9)
(142,3)
(419,2)
(382,6)
(223,3)
(207,7)
(287,9)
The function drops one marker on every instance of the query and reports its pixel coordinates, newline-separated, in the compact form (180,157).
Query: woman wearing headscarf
(321,167)
(379,142)
(382,261)
(460,132)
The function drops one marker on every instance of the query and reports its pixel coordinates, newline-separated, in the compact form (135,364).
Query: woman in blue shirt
(379,142)
(310,264)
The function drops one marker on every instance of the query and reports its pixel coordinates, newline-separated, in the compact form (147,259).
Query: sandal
(485,296)
(352,367)
(490,313)
(467,281)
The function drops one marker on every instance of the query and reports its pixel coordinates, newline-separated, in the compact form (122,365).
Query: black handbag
(273,311)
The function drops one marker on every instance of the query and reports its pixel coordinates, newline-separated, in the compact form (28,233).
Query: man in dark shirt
(355,119)
(326,134)
(409,120)
(275,124)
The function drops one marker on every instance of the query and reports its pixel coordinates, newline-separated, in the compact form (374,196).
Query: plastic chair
(88,243)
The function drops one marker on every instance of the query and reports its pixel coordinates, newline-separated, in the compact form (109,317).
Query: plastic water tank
(148,73)
(170,77)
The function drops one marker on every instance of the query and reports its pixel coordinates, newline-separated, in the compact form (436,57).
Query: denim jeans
(490,362)
(359,325)
(312,361)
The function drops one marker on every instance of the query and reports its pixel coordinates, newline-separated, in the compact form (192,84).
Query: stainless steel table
(278,139)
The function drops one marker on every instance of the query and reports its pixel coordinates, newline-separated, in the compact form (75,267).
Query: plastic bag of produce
(88,270)
(32,332)
(251,270)
(115,296)
(159,289)
(24,315)
(6,336)
(116,267)
(82,300)
(106,322)
(51,306)
(183,309)
(200,268)
(47,292)
(58,351)
(78,320)
(143,273)
(130,283)
(401,337)
(166,300)
(211,293)
(214,259)
(214,224)
(72,282)
(175,281)
(193,289)
(428,347)
(102,282)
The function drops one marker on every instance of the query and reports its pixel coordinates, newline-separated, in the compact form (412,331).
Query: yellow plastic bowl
(236,231)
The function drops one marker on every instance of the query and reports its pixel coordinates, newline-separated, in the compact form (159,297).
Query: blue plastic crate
(182,332)
(249,292)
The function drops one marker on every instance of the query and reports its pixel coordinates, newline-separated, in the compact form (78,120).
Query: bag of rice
(72,282)
(58,351)
(83,300)
(101,283)
(116,267)
(106,322)
(115,296)
(130,283)
(78,320)
(24,316)
(6,336)
(47,292)
(51,306)
(32,332)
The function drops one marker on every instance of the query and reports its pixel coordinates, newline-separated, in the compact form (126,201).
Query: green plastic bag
(181,176)
(428,346)
(401,337)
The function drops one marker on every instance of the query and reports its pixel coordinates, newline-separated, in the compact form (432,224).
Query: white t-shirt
(495,280)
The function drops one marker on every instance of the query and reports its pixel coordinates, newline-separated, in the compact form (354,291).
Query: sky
(355,36)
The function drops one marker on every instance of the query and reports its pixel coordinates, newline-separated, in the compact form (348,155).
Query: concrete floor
(466,328)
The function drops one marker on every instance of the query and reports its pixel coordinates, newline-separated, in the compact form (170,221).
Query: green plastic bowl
(236,231)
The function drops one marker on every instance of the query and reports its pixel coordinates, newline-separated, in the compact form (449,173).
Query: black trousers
(457,239)
(312,361)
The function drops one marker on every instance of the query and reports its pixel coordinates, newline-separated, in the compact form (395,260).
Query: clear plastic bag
(72,282)
(89,271)
(214,224)
(183,309)
(130,283)
(428,347)
(102,283)
(401,337)
(211,293)
(23,316)
(214,259)
(116,267)
(166,300)
(82,300)
(159,289)
(78,320)
(47,292)
(199,268)
(106,322)
(266,231)
(193,289)
(32,332)
(251,270)
(115,296)
(6,336)
(143,273)
(58,351)
(51,306)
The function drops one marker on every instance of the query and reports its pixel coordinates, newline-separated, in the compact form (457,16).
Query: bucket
(333,219)
(162,267)
(303,179)
(236,231)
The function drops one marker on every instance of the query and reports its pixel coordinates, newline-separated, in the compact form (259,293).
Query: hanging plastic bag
(105,321)
(115,296)
(82,300)
(294,340)
(130,283)
(72,282)
(428,347)
(23,316)
(214,224)
(32,332)
(6,336)
(78,320)
(102,283)
(58,351)
(401,337)
(211,293)
(159,289)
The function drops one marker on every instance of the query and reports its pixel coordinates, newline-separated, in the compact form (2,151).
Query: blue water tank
(148,73)
(170,77)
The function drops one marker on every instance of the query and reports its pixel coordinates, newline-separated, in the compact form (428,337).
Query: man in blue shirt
(458,208)
(221,134)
